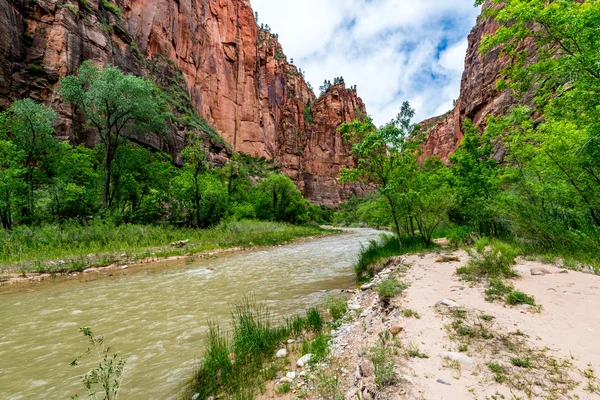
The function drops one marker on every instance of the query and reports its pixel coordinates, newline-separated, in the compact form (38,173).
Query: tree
(116,106)
(382,155)
(277,198)
(11,180)
(29,125)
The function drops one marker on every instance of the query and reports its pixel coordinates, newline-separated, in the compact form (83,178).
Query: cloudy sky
(393,50)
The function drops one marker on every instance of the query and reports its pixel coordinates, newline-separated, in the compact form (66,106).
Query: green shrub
(517,297)
(497,290)
(384,367)
(113,8)
(389,288)
(491,260)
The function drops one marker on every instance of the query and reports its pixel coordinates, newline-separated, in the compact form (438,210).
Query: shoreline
(17,279)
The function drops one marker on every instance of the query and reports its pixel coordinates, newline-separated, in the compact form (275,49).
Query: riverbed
(155,316)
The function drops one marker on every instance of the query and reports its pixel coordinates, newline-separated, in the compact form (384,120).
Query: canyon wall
(478,95)
(235,75)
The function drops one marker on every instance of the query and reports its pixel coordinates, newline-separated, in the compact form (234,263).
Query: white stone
(281,353)
(461,358)
(304,360)
(447,303)
(354,307)
(291,375)
(407,378)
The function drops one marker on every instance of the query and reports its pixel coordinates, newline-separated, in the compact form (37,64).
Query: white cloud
(394,50)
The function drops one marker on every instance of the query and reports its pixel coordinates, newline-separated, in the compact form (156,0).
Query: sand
(567,326)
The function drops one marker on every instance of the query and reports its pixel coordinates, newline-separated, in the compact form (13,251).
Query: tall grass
(386,246)
(232,365)
(57,248)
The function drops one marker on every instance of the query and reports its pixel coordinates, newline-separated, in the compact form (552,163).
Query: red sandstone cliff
(236,75)
(478,95)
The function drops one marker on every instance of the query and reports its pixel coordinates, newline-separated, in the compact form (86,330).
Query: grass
(411,313)
(55,248)
(283,388)
(497,289)
(383,365)
(235,365)
(336,305)
(413,351)
(385,247)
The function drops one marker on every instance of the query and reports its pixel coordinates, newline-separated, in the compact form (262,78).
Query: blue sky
(393,50)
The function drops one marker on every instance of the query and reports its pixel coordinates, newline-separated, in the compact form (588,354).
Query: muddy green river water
(155,317)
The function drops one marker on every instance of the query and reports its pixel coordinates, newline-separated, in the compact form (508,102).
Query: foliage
(492,259)
(116,106)
(389,288)
(336,305)
(107,376)
(278,199)
(517,297)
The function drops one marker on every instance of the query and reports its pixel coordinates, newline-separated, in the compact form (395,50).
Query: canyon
(232,73)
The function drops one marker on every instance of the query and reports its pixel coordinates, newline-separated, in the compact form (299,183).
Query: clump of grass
(318,347)
(413,351)
(497,289)
(463,348)
(389,288)
(486,317)
(113,8)
(336,305)
(516,297)
(283,388)
(495,367)
(383,365)
(492,259)
(410,313)
(521,363)
(314,319)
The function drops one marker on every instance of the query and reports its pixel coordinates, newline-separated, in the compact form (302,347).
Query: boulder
(395,330)
(448,303)
(281,353)
(540,271)
(304,360)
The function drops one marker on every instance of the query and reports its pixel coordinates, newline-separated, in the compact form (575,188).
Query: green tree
(11,180)
(116,105)
(29,125)
(383,155)
(277,198)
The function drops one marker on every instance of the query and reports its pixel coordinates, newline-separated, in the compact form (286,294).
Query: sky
(393,50)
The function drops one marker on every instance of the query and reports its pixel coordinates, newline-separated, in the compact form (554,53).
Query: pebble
(291,375)
(407,378)
(448,303)
(290,341)
(354,307)
(285,379)
(461,358)
(304,360)
(367,286)
(281,353)
(540,271)
(443,382)
(395,330)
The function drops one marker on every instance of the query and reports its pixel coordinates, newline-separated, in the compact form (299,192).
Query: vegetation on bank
(531,177)
(55,249)
(238,364)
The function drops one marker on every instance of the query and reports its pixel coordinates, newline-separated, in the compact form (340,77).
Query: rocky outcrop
(478,94)
(236,76)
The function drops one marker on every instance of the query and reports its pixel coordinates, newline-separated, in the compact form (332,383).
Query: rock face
(478,95)
(236,74)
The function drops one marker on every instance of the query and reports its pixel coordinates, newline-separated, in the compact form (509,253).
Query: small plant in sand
(104,381)
(389,288)
(410,313)
(283,388)
(413,351)
(516,297)
(497,290)
(382,358)
(337,306)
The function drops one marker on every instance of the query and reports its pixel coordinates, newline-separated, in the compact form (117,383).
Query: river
(155,316)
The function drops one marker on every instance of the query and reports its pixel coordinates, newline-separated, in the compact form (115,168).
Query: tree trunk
(106,192)
(396,224)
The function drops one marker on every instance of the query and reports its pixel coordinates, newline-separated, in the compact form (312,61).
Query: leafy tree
(11,180)
(383,155)
(116,105)
(277,198)
(29,125)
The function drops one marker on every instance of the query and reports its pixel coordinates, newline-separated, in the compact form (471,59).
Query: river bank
(54,259)
(441,339)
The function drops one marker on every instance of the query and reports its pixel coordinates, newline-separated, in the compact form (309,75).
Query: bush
(491,260)
(389,288)
(384,367)
(497,290)
(516,297)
